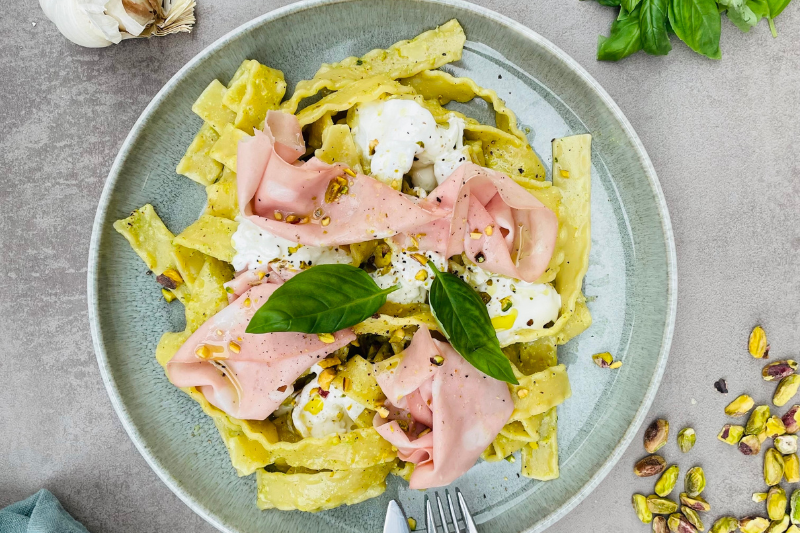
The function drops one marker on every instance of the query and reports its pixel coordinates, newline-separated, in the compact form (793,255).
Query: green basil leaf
(697,23)
(610,3)
(653,22)
(630,5)
(462,316)
(740,14)
(769,9)
(322,299)
(625,38)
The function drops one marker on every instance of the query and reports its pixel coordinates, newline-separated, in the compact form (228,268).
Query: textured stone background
(722,136)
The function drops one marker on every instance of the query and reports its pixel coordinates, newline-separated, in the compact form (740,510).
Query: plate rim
(114,175)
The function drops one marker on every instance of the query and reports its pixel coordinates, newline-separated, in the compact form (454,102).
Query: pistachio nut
(774,427)
(779,526)
(757,343)
(726,524)
(652,465)
(773,467)
(786,390)
(695,481)
(750,445)
(731,434)
(697,503)
(791,468)
(603,360)
(759,497)
(779,370)
(674,522)
(794,507)
(776,503)
(740,406)
(791,420)
(681,524)
(693,518)
(667,481)
(793,529)
(753,524)
(661,505)
(660,524)
(786,444)
(762,436)
(757,421)
(686,439)
(655,436)
(641,508)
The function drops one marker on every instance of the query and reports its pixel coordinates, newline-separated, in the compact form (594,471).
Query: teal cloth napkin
(41,513)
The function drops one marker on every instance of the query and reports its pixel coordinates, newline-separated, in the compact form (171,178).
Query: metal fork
(430,519)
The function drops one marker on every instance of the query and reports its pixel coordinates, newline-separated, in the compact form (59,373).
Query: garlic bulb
(99,23)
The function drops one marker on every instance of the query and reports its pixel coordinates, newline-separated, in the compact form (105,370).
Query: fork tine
(430,522)
(444,516)
(469,523)
(452,511)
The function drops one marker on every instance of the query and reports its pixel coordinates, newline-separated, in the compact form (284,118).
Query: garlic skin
(83,22)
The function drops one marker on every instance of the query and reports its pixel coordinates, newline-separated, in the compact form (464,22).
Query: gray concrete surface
(722,135)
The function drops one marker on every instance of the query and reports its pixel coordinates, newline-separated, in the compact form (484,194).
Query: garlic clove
(133,16)
(83,22)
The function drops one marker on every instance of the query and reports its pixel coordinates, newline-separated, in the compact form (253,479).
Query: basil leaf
(769,9)
(610,3)
(740,14)
(630,5)
(322,299)
(625,38)
(697,23)
(462,316)
(653,23)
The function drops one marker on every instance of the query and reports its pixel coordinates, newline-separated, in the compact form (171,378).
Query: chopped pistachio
(759,497)
(697,503)
(659,524)
(642,509)
(779,370)
(726,524)
(412,524)
(786,390)
(786,444)
(168,295)
(667,481)
(652,465)
(615,365)
(774,427)
(693,518)
(791,420)
(731,434)
(695,481)
(661,505)
(656,435)
(794,507)
(750,445)
(773,467)
(757,344)
(753,524)
(776,503)
(757,421)
(791,468)
(779,526)
(740,406)
(686,439)
(603,360)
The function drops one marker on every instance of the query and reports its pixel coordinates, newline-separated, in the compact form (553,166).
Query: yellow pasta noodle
(208,296)
(538,392)
(540,459)
(225,149)
(149,238)
(210,108)
(210,235)
(338,147)
(254,92)
(197,164)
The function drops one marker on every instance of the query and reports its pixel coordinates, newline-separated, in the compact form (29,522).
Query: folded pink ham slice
(271,180)
(522,234)
(248,376)
(463,408)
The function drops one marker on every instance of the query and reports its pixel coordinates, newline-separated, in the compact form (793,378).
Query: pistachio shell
(740,406)
(695,481)
(667,481)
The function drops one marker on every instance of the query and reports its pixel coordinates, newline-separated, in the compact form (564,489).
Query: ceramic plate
(631,284)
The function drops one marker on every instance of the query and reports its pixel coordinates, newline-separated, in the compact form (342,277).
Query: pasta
(323,442)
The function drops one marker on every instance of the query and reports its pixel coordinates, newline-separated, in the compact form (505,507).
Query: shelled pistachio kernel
(757,421)
(695,481)
(793,529)
(642,510)
(740,406)
(660,524)
(731,434)
(773,467)
(759,497)
(697,503)
(686,439)
(791,468)
(778,370)
(774,427)
(779,526)
(667,481)
(656,435)
(786,444)
(786,390)
(757,343)
(726,524)
(776,503)
(652,465)
(674,522)
(693,518)
(753,524)
(750,445)
(791,420)
(659,505)
(794,507)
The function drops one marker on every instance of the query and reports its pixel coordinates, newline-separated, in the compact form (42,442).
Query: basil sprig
(464,320)
(322,299)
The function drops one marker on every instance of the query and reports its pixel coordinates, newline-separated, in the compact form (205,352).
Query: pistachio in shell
(693,518)
(660,525)
(652,465)
(791,420)
(773,467)
(697,503)
(779,370)
(731,434)
(750,445)
(776,503)
(740,406)
(642,510)
(757,421)
(786,444)
(726,524)
(686,439)
(786,390)
(667,481)
(656,435)
(695,481)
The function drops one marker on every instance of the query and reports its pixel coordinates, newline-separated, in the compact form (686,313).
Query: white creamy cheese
(256,247)
(399,137)
(532,305)
(405,270)
(317,417)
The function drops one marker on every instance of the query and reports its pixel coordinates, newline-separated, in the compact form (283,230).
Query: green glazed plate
(631,283)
